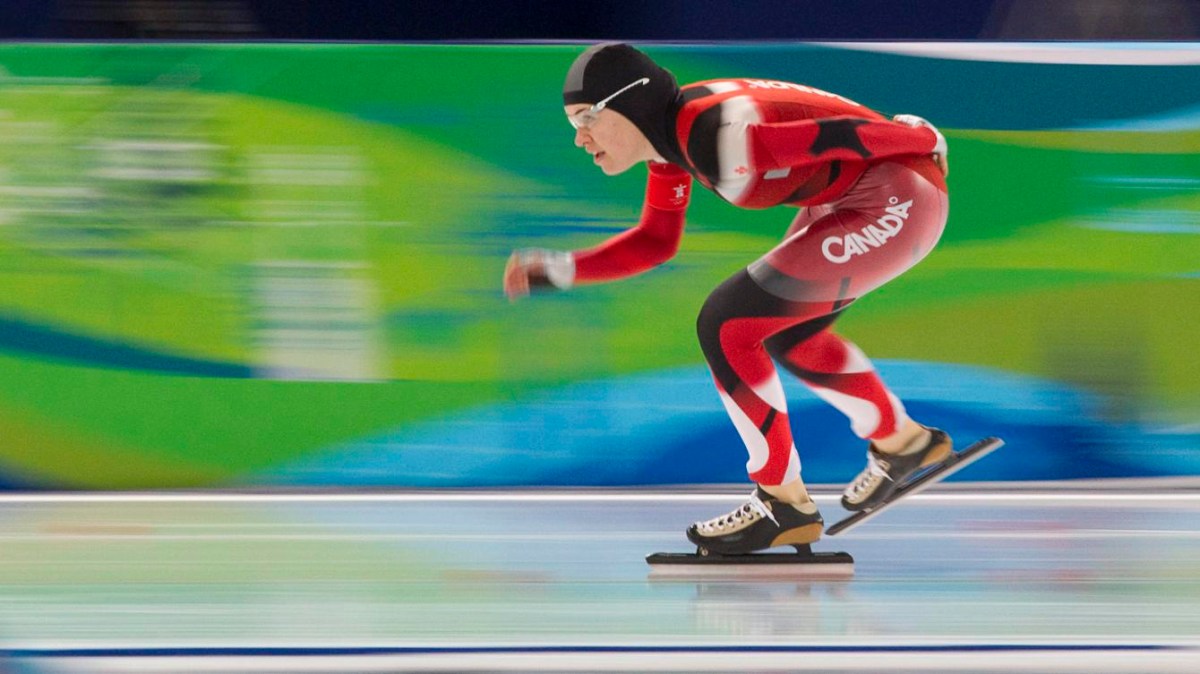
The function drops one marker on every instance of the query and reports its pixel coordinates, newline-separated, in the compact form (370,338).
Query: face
(613,141)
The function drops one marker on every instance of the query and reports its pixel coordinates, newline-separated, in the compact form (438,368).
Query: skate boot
(763,522)
(885,472)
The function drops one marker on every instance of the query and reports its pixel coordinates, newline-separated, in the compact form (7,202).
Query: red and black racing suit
(872,204)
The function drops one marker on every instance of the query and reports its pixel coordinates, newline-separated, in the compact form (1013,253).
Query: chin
(614,169)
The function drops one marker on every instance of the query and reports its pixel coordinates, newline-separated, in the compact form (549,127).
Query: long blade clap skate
(728,545)
(919,482)
(887,472)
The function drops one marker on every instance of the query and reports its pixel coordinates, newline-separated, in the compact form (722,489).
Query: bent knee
(722,304)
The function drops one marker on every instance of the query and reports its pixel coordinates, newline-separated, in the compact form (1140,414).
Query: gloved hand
(940,150)
(531,268)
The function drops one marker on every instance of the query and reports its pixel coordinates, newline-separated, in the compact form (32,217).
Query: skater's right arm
(652,242)
(805,142)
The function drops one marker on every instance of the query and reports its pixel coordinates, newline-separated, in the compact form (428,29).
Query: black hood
(606,68)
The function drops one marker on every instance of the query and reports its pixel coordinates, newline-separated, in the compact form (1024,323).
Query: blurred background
(259,243)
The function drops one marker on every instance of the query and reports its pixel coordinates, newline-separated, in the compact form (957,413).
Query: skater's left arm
(806,142)
(653,241)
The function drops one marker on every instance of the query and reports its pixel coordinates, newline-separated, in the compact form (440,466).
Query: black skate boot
(763,522)
(886,472)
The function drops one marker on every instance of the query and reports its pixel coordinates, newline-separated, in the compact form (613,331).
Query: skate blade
(772,565)
(934,474)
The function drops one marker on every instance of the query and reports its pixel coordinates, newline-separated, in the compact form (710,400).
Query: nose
(581,137)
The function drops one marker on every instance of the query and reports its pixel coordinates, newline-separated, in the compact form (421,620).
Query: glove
(538,268)
(940,149)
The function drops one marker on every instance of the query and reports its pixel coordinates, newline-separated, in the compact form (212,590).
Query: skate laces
(875,472)
(750,512)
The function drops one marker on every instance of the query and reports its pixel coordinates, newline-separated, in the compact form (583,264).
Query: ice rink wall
(279,264)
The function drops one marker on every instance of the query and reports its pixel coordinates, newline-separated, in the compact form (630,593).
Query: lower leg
(842,375)
(733,324)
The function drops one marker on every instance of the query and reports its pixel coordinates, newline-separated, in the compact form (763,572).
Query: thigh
(884,226)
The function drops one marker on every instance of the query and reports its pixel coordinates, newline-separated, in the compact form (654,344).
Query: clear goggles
(586,118)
